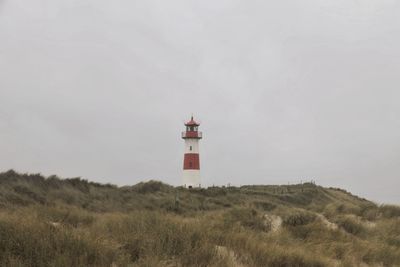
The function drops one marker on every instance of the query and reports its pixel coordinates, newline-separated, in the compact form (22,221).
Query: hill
(48,221)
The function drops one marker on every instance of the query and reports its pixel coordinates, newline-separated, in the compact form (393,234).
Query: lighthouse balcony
(192,134)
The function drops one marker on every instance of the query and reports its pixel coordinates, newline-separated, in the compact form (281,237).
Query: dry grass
(55,222)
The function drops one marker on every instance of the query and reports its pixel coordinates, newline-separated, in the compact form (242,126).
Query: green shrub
(390,211)
(347,209)
(394,241)
(145,234)
(299,218)
(350,225)
(66,215)
(283,258)
(73,222)
(264,205)
(151,187)
(211,191)
(248,218)
(370,213)
(37,244)
(256,253)
(25,191)
(385,255)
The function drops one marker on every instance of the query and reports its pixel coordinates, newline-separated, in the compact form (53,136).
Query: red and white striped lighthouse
(191,162)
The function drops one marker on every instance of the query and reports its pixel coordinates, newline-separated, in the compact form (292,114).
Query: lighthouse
(191,161)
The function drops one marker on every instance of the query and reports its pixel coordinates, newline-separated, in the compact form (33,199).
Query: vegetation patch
(299,218)
(49,221)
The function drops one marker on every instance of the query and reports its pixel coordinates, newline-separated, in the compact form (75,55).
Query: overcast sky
(286,91)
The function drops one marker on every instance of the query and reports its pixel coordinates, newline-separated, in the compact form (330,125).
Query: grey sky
(285,90)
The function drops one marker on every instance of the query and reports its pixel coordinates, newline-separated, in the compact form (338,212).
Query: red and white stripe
(191,161)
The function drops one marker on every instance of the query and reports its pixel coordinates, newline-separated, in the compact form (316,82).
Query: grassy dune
(73,222)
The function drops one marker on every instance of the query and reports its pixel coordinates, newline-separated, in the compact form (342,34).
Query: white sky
(286,90)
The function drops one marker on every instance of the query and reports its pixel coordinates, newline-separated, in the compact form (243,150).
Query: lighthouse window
(190,148)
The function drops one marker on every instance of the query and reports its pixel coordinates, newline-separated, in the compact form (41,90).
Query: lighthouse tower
(191,162)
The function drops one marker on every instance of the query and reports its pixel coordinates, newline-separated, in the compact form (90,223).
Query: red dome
(192,122)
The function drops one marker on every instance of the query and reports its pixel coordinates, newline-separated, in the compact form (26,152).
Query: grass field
(72,222)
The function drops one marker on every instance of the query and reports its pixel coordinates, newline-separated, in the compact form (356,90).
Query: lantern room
(192,130)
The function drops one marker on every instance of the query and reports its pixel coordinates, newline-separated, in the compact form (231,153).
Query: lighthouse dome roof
(192,122)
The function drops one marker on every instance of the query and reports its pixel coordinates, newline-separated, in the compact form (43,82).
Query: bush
(390,211)
(105,225)
(369,212)
(151,187)
(247,218)
(299,218)
(37,244)
(211,191)
(255,253)
(66,215)
(264,205)
(25,191)
(386,255)
(145,235)
(350,225)
(283,258)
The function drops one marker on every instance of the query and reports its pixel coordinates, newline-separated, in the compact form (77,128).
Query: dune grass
(73,222)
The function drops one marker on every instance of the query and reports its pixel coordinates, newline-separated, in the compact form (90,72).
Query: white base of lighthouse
(191,178)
